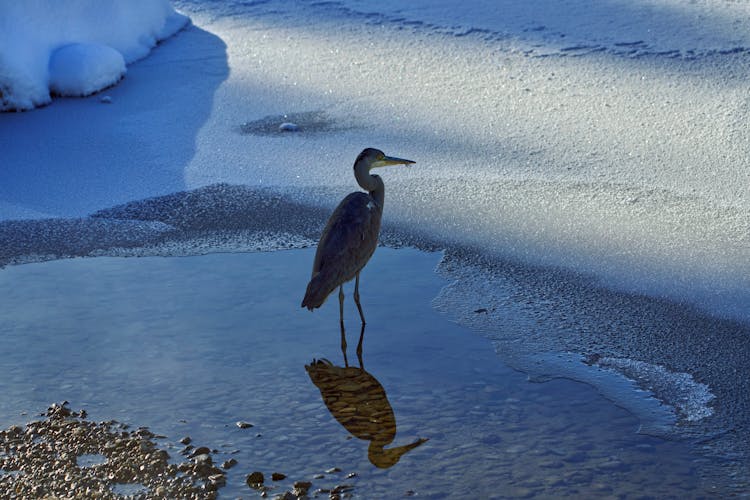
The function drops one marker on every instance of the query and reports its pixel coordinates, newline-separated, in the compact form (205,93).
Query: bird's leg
(341,322)
(359,346)
(356,299)
(343,345)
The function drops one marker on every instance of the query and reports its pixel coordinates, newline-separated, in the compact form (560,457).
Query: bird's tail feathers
(317,292)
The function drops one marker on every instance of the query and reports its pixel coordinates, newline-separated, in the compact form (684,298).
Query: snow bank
(83,68)
(75,47)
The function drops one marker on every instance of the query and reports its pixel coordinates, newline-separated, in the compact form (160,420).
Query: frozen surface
(621,154)
(626,166)
(74,48)
(546,27)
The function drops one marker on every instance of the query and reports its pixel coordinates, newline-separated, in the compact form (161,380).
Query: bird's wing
(349,238)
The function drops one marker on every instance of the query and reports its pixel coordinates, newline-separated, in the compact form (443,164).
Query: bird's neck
(372,183)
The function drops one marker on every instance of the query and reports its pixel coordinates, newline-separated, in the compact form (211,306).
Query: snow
(545,27)
(74,47)
(620,162)
(81,69)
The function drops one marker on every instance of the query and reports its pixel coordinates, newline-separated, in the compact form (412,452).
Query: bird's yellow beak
(390,160)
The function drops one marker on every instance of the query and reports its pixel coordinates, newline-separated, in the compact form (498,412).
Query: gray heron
(350,236)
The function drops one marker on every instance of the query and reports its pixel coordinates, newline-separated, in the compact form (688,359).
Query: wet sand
(190,346)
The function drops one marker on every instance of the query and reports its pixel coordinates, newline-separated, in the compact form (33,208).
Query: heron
(350,236)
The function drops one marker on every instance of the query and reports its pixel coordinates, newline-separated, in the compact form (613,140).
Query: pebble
(289,127)
(47,452)
(342,488)
(301,488)
(244,425)
(185,440)
(228,464)
(278,476)
(255,479)
(202,450)
(105,99)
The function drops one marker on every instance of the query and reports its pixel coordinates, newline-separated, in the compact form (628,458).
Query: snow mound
(37,41)
(81,69)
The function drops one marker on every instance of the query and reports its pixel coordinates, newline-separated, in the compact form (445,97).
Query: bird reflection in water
(358,402)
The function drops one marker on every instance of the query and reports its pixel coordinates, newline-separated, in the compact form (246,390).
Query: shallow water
(189,346)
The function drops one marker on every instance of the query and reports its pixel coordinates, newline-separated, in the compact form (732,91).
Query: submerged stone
(255,479)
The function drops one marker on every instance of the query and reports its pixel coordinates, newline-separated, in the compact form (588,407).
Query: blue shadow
(78,155)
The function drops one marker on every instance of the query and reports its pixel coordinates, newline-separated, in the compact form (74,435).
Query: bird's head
(374,158)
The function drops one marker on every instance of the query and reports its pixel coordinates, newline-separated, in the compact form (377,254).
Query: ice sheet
(625,164)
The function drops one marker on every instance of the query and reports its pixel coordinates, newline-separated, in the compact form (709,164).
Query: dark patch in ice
(221,206)
(324,4)
(581,50)
(578,48)
(630,44)
(45,239)
(471,31)
(190,222)
(308,122)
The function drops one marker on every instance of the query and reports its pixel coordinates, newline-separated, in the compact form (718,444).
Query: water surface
(189,346)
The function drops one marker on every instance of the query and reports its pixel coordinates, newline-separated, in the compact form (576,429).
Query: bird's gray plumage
(347,243)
